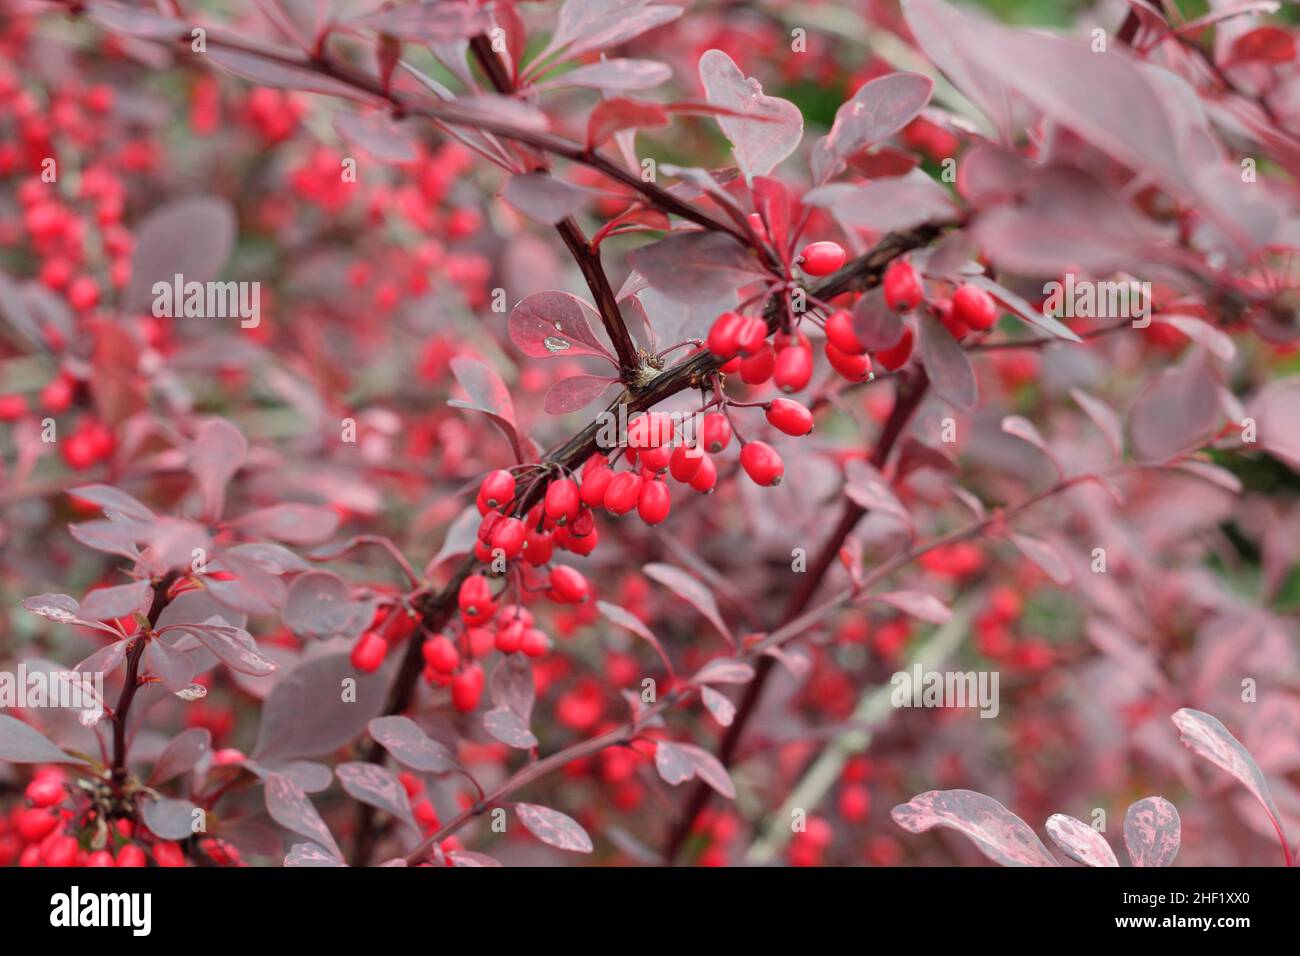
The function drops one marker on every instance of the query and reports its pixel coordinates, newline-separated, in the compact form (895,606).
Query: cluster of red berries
(46,830)
(995,636)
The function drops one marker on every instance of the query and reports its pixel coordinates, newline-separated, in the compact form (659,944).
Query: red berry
(723,340)
(855,803)
(822,258)
(498,489)
(168,854)
(685,462)
(100,858)
(902,286)
(36,824)
(56,396)
(568,586)
(368,652)
(12,407)
(594,485)
(752,335)
(508,537)
(757,369)
(538,547)
(131,855)
(441,654)
(762,463)
(657,459)
(44,792)
(654,502)
(715,432)
(535,643)
(794,368)
(896,356)
(563,500)
(650,430)
(510,637)
(974,307)
(83,293)
(622,493)
(789,416)
(60,851)
(467,688)
(475,599)
(706,477)
(841,334)
(855,368)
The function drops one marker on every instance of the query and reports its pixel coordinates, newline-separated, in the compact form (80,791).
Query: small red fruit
(368,652)
(594,485)
(752,335)
(654,502)
(757,369)
(794,368)
(168,854)
(563,500)
(706,477)
(467,688)
(685,462)
(715,432)
(622,493)
(855,368)
(475,599)
(841,334)
(896,356)
(762,463)
(974,307)
(568,586)
(903,289)
(535,643)
(131,855)
(508,536)
(498,488)
(44,792)
(724,335)
(789,416)
(12,407)
(440,654)
(822,258)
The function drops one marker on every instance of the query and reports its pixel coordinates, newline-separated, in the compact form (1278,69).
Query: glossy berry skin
(441,654)
(368,652)
(657,459)
(762,463)
(903,289)
(99,859)
(467,688)
(12,408)
(654,502)
(498,489)
(651,430)
(59,851)
(793,369)
(168,854)
(757,368)
(974,307)
(822,258)
(535,643)
(568,586)
(790,417)
(131,855)
(715,432)
(563,500)
(706,477)
(622,493)
(840,332)
(538,548)
(896,356)
(594,485)
(475,599)
(751,335)
(510,637)
(724,335)
(855,368)
(44,792)
(508,536)
(685,462)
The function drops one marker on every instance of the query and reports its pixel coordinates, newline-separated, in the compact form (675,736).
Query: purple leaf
(695,267)
(191,237)
(1206,737)
(487,394)
(180,755)
(21,743)
(271,558)
(217,452)
(410,745)
(584,26)
(1273,409)
(319,605)
(252,590)
(1176,412)
(629,621)
(377,136)
(575,392)
(947,365)
(724,670)
(766,130)
(504,725)
(692,592)
(114,502)
(1152,832)
(543,198)
(997,832)
(882,205)
(309,854)
(234,647)
(866,486)
(316,686)
(169,819)
(289,807)
(677,763)
(175,668)
(876,324)
(511,686)
(137,23)
(1045,556)
(1026,431)
(376,786)
(619,75)
(917,604)
(547,324)
(1079,841)
(553,827)
(1104,417)
(427,22)
(121,601)
(278,74)
(1021,308)
(879,109)
(292,523)
(720,706)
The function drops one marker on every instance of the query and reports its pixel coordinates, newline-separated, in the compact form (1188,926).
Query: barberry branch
(161,598)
